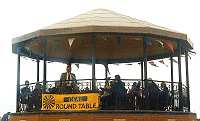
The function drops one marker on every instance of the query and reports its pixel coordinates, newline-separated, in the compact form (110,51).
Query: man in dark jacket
(26,96)
(37,96)
(119,93)
(164,97)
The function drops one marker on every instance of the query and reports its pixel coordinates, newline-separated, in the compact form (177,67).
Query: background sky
(24,16)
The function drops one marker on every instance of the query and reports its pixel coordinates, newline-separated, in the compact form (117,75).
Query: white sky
(24,16)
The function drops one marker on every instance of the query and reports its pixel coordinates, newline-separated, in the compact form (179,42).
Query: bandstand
(104,37)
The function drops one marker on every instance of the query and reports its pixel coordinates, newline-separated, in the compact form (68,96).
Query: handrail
(124,80)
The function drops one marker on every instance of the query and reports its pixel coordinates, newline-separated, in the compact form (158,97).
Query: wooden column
(187,80)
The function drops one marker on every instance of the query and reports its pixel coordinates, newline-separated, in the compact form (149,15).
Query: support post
(146,39)
(142,81)
(38,70)
(172,81)
(18,83)
(142,74)
(180,78)
(45,67)
(93,63)
(106,71)
(187,80)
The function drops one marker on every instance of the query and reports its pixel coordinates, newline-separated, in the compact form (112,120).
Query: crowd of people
(30,100)
(152,97)
(114,95)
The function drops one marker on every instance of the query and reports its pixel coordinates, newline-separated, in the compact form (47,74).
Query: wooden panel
(119,119)
(102,117)
(64,119)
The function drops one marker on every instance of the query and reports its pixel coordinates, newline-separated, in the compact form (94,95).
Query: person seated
(37,97)
(164,97)
(26,96)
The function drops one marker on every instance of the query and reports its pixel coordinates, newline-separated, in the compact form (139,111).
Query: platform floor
(104,116)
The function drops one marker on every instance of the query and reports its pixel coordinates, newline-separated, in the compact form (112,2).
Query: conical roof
(103,17)
(102,20)
(118,38)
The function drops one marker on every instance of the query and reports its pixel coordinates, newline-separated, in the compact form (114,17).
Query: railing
(132,100)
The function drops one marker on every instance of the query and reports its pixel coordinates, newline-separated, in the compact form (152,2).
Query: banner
(70,102)
(169,45)
(152,63)
(162,61)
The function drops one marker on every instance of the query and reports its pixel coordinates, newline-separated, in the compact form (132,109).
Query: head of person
(117,78)
(26,83)
(138,84)
(69,68)
(163,84)
(108,78)
(38,85)
(134,84)
(149,83)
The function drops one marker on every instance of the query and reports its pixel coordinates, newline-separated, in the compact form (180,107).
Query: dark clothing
(164,98)
(69,83)
(54,90)
(5,117)
(26,98)
(151,93)
(134,96)
(37,99)
(25,95)
(118,88)
(119,95)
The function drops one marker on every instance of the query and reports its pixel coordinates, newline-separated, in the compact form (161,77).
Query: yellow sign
(74,102)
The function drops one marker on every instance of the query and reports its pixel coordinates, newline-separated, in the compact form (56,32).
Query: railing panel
(133,102)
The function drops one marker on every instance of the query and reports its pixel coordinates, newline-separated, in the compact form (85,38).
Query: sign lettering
(78,102)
